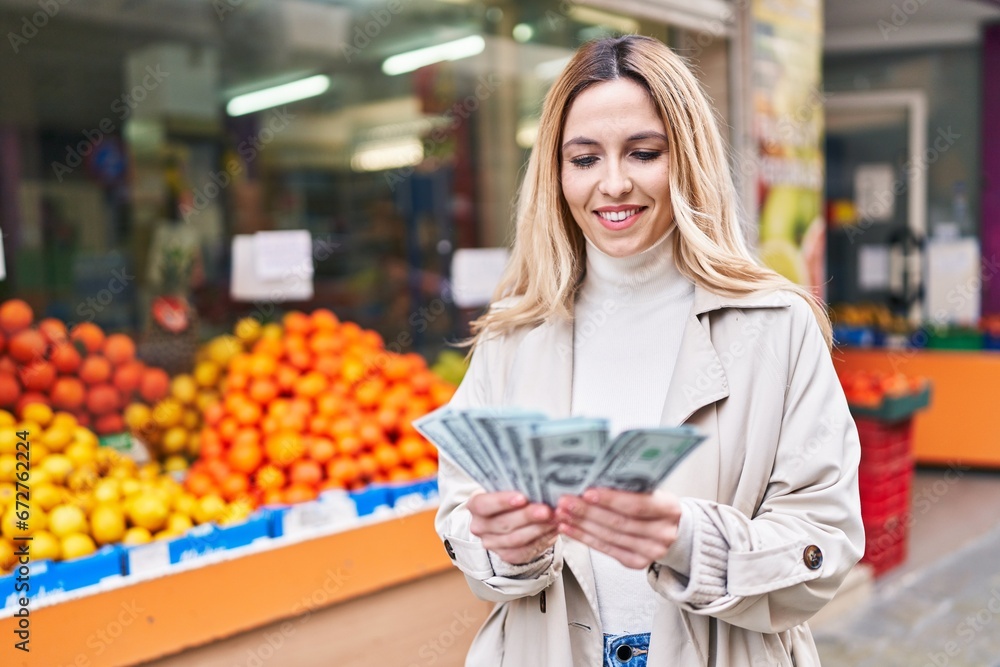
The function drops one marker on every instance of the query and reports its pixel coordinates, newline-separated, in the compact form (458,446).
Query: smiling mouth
(619,216)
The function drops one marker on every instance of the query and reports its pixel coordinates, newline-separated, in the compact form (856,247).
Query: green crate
(895,408)
(954,339)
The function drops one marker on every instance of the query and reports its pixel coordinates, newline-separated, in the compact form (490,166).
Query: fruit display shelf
(221,593)
(959,427)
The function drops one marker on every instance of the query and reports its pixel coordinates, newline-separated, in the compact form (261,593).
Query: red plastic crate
(885,543)
(882,442)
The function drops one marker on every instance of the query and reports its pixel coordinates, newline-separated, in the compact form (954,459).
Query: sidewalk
(942,607)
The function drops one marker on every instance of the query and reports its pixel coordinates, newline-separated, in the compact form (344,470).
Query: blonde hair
(548,255)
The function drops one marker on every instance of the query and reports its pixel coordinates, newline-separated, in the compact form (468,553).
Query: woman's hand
(510,527)
(636,529)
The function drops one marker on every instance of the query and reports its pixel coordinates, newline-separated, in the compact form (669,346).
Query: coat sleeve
(775,570)
(489,577)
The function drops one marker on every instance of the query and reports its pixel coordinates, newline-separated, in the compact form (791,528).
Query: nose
(615,181)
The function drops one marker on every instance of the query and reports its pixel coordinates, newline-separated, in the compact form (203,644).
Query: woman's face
(614,168)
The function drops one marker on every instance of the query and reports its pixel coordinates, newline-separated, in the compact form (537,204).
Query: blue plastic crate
(854,336)
(46,577)
(372,499)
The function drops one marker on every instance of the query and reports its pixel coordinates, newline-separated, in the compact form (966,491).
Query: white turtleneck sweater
(629,317)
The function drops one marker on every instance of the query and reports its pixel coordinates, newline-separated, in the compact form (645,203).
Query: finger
(529,553)
(506,522)
(491,504)
(624,556)
(572,510)
(522,537)
(655,505)
(653,545)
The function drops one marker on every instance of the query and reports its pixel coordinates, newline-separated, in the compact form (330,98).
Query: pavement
(942,608)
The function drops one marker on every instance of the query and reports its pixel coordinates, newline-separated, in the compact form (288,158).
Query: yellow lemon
(37,412)
(83,479)
(108,490)
(223,348)
(77,545)
(8,468)
(149,471)
(7,419)
(8,440)
(7,555)
(237,512)
(107,523)
(272,330)
(148,511)
(168,412)
(38,452)
(185,503)
(66,519)
(45,546)
(57,438)
(12,527)
(137,535)
(248,330)
(137,415)
(175,463)
(30,425)
(207,374)
(83,434)
(210,508)
(174,440)
(184,388)
(8,494)
(58,466)
(191,419)
(178,523)
(39,476)
(194,445)
(130,486)
(81,454)
(64,420)
(46,496)
(206,398)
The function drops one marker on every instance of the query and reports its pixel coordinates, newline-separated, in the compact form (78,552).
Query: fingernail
(516,500)
(590,496)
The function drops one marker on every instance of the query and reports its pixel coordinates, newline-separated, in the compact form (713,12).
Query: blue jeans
(626,650)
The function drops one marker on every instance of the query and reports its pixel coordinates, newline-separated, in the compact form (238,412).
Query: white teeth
(617,216)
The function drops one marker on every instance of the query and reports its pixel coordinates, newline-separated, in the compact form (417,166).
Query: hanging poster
(788,128)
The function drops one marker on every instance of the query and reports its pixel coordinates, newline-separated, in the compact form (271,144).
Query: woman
(631,295)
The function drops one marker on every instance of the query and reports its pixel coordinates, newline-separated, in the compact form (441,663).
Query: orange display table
(138,621)
(961,424)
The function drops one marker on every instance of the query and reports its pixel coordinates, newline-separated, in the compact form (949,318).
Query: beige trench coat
(777,475)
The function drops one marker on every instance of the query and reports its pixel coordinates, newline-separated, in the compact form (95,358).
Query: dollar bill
(433,427)
(507,452)
(639,460)
(565,451)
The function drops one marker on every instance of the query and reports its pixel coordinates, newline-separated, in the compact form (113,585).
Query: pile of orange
(82,371)
(325,406)
(867,389)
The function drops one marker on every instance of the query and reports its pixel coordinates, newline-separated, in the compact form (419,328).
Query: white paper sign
(288,273)
(873,193)
(953,281)
(873,267)
(475,273)
(3,261)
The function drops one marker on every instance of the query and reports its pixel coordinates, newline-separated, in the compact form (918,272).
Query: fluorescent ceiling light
(392,154)
(278,95)
(456,50)
(622,24)
(550,69)
(523,32)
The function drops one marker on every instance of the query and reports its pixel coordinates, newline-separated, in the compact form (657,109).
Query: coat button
(812,557)
(451,552)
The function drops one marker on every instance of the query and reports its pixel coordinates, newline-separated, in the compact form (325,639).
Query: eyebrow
(638,136)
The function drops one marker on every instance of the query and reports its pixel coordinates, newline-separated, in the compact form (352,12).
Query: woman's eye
(584,161)
(646,156)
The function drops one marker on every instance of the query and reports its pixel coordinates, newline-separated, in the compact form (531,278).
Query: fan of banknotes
(517,450)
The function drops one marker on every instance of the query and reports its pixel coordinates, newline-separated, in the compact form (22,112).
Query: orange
(351,331)
(324,343)
(240,363)
(68,393)
(272,497)
(328,365)
(102,399)
(349,445)
(155,385)
(343,470)
(212,446)
(27,345)
(284,447)
(10,390)
(424,468)
(29,398)
(387,418)
(54,330)
(400,475)
(441,393)
(245,457)
(217,469)
(299,493)
(248,413)
(311,384)
(15,315)
(286,377)
(89,334)
(321,449)
(38,375)
(213,413)
(262,365)
(237,381)
(246,436)
(263,390)
(396,368)
(297,323)
(367,466)
(368,392)
(387,457)
(199,483)
(328,404)
(119,349)
(109,423)
(234,485)
(305,472)
(95,369)
(319,425)
(300,359)
(8,365)
(371,433)
(411,448)
(269,347)
(421,381)
(269,477)
(128,376)
(227,428)
(324,319)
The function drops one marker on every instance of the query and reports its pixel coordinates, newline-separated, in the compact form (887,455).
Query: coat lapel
(541,377)
(698,378)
